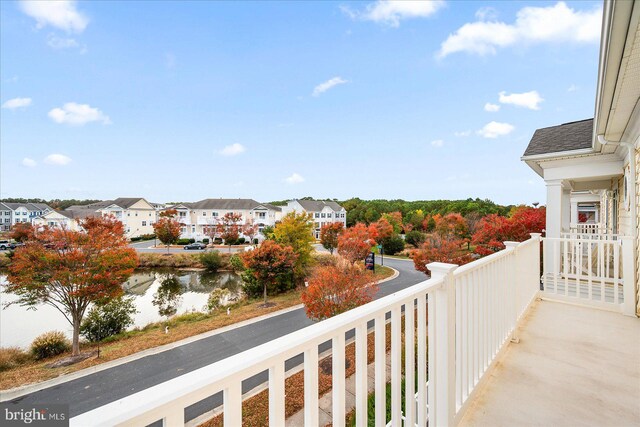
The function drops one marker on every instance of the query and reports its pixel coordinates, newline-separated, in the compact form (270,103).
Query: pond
(158,294)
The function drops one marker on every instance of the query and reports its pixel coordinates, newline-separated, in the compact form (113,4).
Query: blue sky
(273,100)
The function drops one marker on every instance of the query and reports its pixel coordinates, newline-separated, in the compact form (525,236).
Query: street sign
(370,261)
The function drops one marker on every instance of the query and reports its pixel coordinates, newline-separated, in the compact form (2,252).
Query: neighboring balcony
(559,364)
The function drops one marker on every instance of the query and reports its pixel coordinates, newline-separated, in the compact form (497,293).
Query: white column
(557,202)
(574,213)
(566,210)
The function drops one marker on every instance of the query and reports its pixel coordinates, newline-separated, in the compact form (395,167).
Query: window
(317,215)
(323,215)
(182,214)
(204,213)
(144,223)
(262,215)
(214,214)
(7,220)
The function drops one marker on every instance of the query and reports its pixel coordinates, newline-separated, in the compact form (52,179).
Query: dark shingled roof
(318,205)
(565,137)
(225,204)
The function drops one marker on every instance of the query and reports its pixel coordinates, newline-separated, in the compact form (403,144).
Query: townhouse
(322,211)
(136,214)
(12,213)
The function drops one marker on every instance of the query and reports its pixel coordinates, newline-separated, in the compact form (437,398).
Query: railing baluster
(361,375)
(396,374)
(338,380)
(590,279)
(422,364)
(381,371)
(566,267)
(276,395)
(232,396)
(616,271)
(311,386)
(604,269)
(409,364)
(459,328)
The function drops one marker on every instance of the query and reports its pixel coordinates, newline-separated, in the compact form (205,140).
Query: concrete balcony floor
(573,366)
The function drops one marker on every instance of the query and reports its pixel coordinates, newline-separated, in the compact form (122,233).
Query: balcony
(450,350)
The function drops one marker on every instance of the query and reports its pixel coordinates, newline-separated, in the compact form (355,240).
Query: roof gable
(565,137)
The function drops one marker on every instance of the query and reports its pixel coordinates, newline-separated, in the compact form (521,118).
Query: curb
(13,393)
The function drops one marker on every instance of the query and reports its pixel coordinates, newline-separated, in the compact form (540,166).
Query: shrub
(147,236)
(12,357)
(108,319)
(392,245)
(5,260)
(415,238)
(192,240)
(135,239)
(211,260)
(50,344)
(255,241)
(236,263)
(240,241)
(183,242)
(215,297)
(217,241)
(205,241)
(250,285)
(324,260)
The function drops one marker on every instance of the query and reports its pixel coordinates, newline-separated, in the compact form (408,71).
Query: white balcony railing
(455,325)
(593,269)
(587,228)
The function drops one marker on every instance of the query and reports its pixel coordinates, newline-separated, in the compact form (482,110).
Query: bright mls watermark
(34,415)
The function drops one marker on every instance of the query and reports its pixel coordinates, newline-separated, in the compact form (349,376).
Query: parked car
(196,246)
(5,244)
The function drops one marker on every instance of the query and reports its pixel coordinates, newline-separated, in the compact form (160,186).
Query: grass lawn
(130,342)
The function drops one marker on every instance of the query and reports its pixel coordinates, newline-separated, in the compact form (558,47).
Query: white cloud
(295,178)
(391,12)
(462,133)
(61,43)
(78,114)
(14,103)
(437,143)
(553,24)
(323,87)
(487,13)
(528,100)
(572,88)
(61,14)
(57,159)
(233,150)
(30,163)
(495,129)
(492,108)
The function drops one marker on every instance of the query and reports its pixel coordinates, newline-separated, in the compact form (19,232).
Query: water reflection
(157,294)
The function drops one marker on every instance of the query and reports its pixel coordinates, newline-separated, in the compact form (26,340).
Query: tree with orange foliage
(228,228)
(21,231)
(383,228)
(494,229)
(69,270)
(167,228)
(452,226)
(355,243)
(335,289)
(329,235)
(438,249)
(269,263)
(395,219)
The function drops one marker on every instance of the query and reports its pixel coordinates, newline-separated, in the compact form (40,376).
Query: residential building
(67,219)
(12,213)
(200,216)
(322,212)
(136,214)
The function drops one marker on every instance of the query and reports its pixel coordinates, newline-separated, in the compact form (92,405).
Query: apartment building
(12,213)
(136,214)
(322,211)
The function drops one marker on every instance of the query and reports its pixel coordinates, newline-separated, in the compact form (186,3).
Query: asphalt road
(94,390)
(147,247)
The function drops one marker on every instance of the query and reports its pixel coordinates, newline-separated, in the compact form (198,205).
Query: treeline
(54,203)
(369,211)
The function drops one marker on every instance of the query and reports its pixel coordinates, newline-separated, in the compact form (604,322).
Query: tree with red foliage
(250,230)
(228,228)
(69,270)
(329,235)
(383,228)
(355,243)
(452,226)
(335,289)
(438,249)
(167,228)
(269,262)
(21,231)
(493,230)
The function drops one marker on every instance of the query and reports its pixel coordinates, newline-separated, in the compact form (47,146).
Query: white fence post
(443,367)
(628,276)
(515,278)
